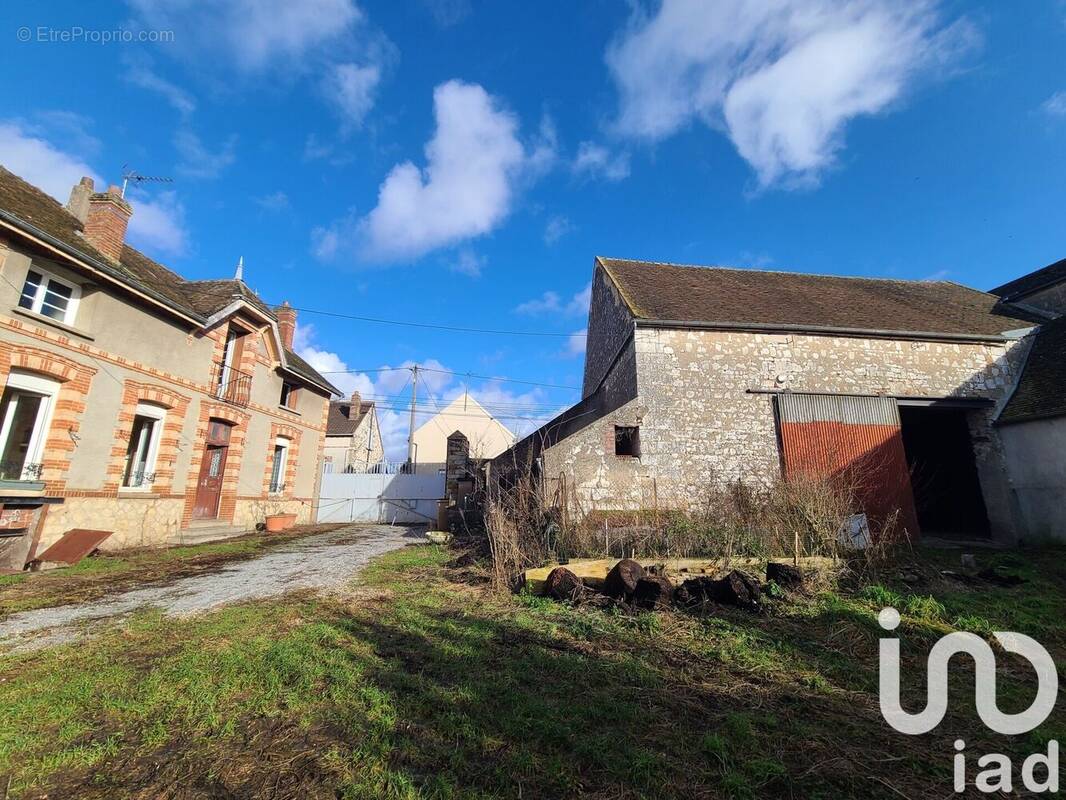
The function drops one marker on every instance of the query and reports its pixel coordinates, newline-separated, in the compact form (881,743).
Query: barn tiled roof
(1041,390)
(737,297)
(344,417)
(1027,284)
(196,299)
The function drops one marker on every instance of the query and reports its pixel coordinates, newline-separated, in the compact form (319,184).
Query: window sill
(41,319)
(127,491)
(290,410)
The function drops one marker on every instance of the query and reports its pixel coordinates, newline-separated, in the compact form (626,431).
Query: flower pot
(290,520)
(276,523)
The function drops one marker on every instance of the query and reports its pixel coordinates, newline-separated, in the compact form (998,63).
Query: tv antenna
(132,175)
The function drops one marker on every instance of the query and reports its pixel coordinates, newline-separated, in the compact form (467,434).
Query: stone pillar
(457,465)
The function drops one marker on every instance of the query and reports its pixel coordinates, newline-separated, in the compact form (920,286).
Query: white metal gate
(362,497)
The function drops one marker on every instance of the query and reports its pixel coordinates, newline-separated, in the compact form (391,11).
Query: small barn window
(627,440)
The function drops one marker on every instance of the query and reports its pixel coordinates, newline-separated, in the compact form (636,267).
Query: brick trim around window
(176,405)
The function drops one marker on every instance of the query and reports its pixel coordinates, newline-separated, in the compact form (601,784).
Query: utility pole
(411,428)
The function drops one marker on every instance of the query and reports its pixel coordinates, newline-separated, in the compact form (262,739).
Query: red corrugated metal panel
(857,439)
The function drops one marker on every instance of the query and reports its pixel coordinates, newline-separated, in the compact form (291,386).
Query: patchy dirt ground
(315,562)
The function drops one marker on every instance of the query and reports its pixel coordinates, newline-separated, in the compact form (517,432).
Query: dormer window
(49,296)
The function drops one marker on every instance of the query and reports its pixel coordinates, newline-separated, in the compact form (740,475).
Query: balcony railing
(232,385)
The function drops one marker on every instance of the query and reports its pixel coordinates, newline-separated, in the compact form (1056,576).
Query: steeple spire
(239,274)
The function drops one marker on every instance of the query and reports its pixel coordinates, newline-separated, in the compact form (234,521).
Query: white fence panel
(363,497)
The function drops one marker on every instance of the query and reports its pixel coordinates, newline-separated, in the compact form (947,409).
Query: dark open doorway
(947,490)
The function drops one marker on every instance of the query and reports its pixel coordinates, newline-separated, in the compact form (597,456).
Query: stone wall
(702,425)
(610,325)
(135,521)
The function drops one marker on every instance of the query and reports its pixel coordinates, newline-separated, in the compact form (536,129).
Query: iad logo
(998,773)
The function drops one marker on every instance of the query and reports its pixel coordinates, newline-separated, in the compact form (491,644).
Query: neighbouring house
(702,376)
(353,436)
(487,436)
(134,400)
(1033,423)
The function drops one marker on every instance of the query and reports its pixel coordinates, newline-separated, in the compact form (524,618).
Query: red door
(212,470)
(857,440)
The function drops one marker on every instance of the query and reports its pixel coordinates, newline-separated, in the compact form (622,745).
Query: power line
(452,328)
(452,372)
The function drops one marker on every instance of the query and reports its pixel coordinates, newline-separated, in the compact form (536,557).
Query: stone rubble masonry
(700,426)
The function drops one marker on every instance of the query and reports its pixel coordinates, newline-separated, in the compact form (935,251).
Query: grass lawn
(420,683)
(102,574)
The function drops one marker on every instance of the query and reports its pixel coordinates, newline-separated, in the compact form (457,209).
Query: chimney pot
(78,204)
(106,222)
(286,315)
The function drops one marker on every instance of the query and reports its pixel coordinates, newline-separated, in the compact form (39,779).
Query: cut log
(693,592)
(653,592)
(736,589)
(562,584)
(786,576)
(622,580)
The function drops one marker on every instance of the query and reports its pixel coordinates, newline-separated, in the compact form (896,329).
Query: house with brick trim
(134,400)
(699,377)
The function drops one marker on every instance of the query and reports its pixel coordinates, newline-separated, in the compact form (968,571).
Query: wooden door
(212,471)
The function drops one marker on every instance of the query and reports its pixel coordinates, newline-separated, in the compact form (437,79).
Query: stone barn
(702,376)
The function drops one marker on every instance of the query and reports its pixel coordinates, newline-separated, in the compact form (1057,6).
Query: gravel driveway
(319,562)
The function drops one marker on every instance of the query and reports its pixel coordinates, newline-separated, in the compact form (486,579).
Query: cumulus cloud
(552,303)
(274,201)
(781,78)
(29,155)
(468,263)
(596,161)
(197,160)
(474,164)
(575,345)
(390,388)
(158,221)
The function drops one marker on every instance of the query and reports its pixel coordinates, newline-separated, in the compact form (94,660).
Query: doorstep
(206,531)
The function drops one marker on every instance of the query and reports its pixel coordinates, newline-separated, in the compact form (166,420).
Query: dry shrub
(803,516)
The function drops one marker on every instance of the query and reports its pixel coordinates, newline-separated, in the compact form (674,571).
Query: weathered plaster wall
(1036,463)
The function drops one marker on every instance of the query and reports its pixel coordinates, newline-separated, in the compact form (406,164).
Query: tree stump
(693,592)
(622,580)
(786,576)
(653,592)
(736,589)
(562,584)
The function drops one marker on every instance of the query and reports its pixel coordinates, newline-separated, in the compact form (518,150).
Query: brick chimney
(357,400)
(78,204)
(105,226)
(286,315)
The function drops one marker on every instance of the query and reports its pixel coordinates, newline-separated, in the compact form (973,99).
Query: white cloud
(558,226)
(575,345)
(469,263)
(474,163)
(37,161)
(254,35)
(158,222)
(596,161)
(352,88)
(781,78)
(551,303)
(142,76)
(447,12)
(1055,105)
(437,386)
(199,162)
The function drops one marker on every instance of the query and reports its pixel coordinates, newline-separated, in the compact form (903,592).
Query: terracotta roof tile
(341,420)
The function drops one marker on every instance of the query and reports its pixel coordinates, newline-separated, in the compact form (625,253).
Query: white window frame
(284,444)
(38,300)
(38,385)
(159,414)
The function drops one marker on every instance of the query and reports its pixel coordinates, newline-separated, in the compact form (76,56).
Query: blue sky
(458,162)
